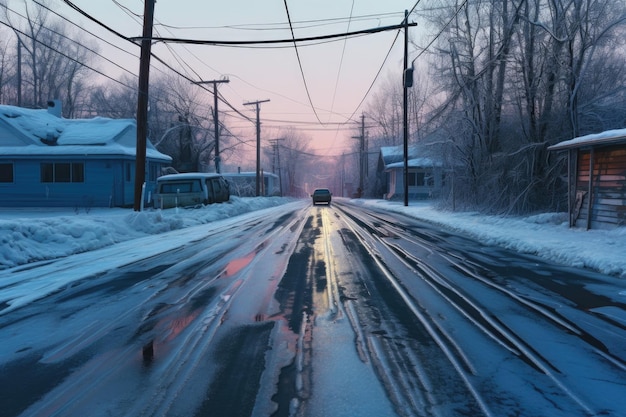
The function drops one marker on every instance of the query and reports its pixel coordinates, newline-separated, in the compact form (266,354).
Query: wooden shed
(596,179)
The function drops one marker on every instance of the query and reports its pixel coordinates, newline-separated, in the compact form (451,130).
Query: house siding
(105,185)
(427,172)
(396,183)
(606,188)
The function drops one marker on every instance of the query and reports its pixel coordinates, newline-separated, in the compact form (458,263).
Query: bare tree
(384,112)
(181,123)
(8,71)
(516,76)
(53,64)
(296,162)
(114,100)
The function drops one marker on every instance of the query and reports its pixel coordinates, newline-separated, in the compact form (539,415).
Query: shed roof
(609,137)
(31,132)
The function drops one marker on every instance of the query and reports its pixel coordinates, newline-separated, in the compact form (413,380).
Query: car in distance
(321,195)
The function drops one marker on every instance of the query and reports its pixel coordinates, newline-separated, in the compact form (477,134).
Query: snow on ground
(546,235)
(29,235)
(35,234)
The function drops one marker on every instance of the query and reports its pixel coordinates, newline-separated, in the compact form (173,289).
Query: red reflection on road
(236,265)
(179,324)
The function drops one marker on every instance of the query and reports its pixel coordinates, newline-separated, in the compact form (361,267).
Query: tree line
(501,81)
(504,80)
(44,60)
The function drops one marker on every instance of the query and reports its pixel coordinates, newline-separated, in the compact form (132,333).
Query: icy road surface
(309,311)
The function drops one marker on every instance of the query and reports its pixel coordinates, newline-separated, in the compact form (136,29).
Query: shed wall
(607,187)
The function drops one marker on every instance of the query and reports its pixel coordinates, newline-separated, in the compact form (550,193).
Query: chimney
(54,108)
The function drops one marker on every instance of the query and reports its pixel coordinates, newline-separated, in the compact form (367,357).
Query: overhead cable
(88,16)
(295,46)
(275,41)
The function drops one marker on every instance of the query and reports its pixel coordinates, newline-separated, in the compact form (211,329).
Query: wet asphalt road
(319,311)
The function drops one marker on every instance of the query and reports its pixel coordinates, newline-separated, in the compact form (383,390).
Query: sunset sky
(338,73)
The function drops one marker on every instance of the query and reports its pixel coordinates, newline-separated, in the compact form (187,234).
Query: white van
(190,189)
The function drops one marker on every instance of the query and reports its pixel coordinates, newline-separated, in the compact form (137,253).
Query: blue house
(46,160)
(425,173)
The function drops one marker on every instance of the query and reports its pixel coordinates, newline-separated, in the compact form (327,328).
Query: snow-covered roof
(416,163)
(393,157)
(609,137)
(30,132)
(247,174)
(189,176)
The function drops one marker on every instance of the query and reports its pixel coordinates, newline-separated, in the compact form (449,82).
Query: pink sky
(336,85)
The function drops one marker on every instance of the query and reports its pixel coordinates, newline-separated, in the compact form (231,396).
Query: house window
(47,172)
(416,179)
(63,172)
(127,172)
(153,172)
(410,179)
(78,172)
(6,172)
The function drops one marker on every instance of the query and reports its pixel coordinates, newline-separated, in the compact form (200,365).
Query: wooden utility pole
(362,156)
(142,103)
(277,155)
(215,119)
(405,111)
(258,142)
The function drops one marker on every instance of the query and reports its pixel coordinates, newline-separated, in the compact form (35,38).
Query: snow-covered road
(310,311)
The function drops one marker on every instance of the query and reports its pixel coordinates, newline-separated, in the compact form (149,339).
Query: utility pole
(362,155)
(277,153)
(405,121)
(215,119)
(142,103)
(258,142)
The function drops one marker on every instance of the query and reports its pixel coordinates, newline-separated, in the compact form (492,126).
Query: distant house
(596,179)
(425,174)
(243,184)
(46,160)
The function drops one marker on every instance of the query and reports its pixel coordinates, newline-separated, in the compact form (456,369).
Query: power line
(295,47)
(441,31)
(131,40)
(387,56)
(82,28)
(343,52)
(62,53)
(79,44)
(274,41)
(341,36)
(63,35)
(303,24)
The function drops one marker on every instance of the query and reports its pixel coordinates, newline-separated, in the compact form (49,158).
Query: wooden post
(590,190)
(405,120)
(142,103)
(258,143)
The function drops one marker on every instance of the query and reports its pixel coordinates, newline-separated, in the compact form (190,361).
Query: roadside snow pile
(29,235)
(546,235)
